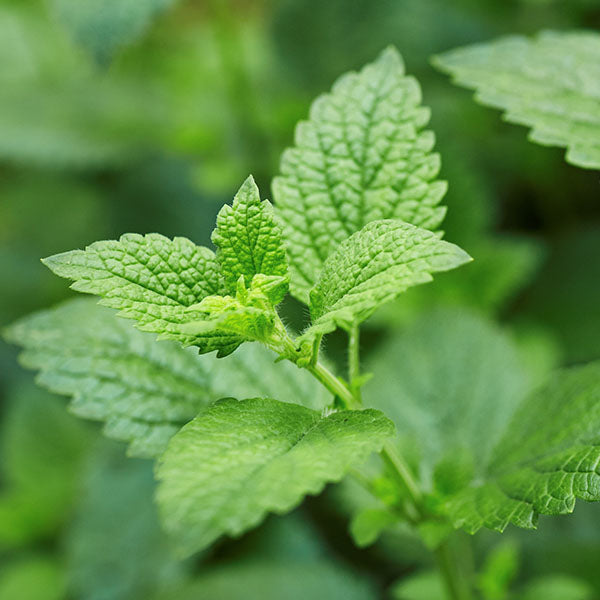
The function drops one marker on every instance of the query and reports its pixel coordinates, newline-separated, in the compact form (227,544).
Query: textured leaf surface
(548,457)
(151,279)
(239,460)
(550,83)
(372,267)
(248,238)
(103,27)
(144,390)
(361,156)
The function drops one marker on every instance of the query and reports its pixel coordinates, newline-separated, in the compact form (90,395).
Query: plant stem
(398,466)
(354,361)
(456,585)
(334,384)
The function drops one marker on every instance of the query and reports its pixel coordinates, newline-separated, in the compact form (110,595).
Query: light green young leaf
(500,568)
(105,26)
(237,461)
(372,267)
(361,156)
(547,457)
(550,83)
(248,238)
(368,524)
(143,390)
(151,279)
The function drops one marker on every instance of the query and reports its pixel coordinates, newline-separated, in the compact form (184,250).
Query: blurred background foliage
(146,115)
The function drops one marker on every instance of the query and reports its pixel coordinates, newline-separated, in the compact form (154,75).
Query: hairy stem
(457,587)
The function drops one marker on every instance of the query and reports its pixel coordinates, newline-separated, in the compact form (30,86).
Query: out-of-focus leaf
(259,580)
(103,27)
(142,389)
(549,83)
(34,578)
(450,382)
(499,570)
(557,587)
(42,449)
(427,585)
(115,547)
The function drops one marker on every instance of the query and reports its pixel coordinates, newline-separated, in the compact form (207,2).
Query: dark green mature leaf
(104,26)
(549,83)
(372,267)
(547,457)
(361,156)
(249,239)
(151,279)
(237,461)
(144,390)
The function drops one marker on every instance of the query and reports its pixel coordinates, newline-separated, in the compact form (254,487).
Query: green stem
(334,384)
(354,362)
(401,470)
(457,586)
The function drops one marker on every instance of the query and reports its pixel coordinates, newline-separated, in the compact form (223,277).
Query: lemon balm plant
(245,417)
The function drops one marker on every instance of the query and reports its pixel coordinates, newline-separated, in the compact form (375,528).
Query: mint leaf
(248,238)
(369,523)
(33,577)
(143,390)
(451,382)
(548,83)
(151,279)
(260,579)
(557,587)
(105,26)
(237,461)
(361,156)
(372,267)
(547,457)
(115,513)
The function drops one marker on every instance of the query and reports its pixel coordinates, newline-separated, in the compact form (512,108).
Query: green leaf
(557,587)
(151,279)
(271,580)
(372,267)
(249,239)
(33,578)
(361,156)
(426,585)
(499,570)
(42,450)
(104,27)
(237,461)
(115,515)
(451,382)
(143,390)
(547,457)
(548,83)
(368,524)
